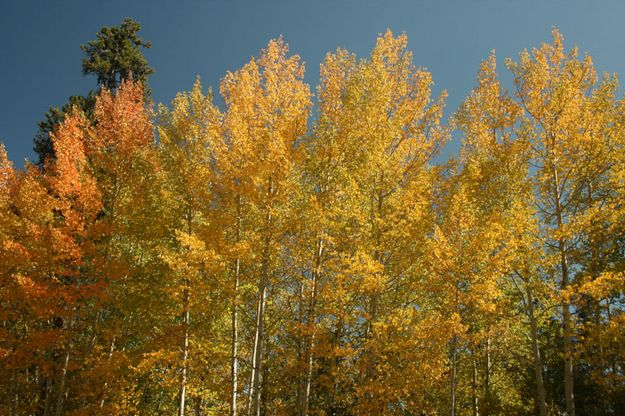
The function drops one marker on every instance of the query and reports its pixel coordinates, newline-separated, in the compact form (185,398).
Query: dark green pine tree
(115,55)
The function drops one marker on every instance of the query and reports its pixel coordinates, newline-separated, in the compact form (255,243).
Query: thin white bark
(566,311)
(110,355)
(185,355)
(454,355)
(310,321)
(474,381)
(235,342)
(234,368)
(61,393)
(538,363)
(254,402)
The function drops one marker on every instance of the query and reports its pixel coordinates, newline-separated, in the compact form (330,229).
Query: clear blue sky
(41,59)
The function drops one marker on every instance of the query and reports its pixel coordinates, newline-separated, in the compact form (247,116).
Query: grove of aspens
(285,249)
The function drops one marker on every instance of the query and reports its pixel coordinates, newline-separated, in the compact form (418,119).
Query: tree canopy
(254,261)
(115,55)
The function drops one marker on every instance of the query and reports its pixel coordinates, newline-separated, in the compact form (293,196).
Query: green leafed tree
(115,55)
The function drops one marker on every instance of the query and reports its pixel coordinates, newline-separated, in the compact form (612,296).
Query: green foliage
(115,55)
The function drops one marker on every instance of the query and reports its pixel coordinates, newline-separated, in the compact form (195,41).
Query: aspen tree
(267,110)
(187,134)
(495,165)
(557,91)
(379,128)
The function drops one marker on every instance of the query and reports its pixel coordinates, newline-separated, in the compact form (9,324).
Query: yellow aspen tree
(326,207)
(599,281)
(186,137)
(466,275)
(495,168)
(379,128)
(559,93)
(317,220)
(267,110)
(607,335)
(234,216)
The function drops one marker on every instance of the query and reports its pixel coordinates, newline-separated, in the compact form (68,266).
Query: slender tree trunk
(309,372)
(185,353)
(566,313)
(254,403)
(254,369)
(235,319)
(61,393)
(454,355)
(538,362)
(110,355)
(301,346)
(568,343)
(260,316)
(234,370)
(14,392)
(474,389)
(263,392)
(310,321)
(198,406)
(487,372)
(47,391)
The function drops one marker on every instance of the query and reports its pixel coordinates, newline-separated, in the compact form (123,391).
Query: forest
(271,251)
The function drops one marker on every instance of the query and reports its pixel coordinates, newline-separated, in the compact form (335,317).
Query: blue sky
(41,59)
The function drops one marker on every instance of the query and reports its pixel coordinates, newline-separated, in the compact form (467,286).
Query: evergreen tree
(113,56)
